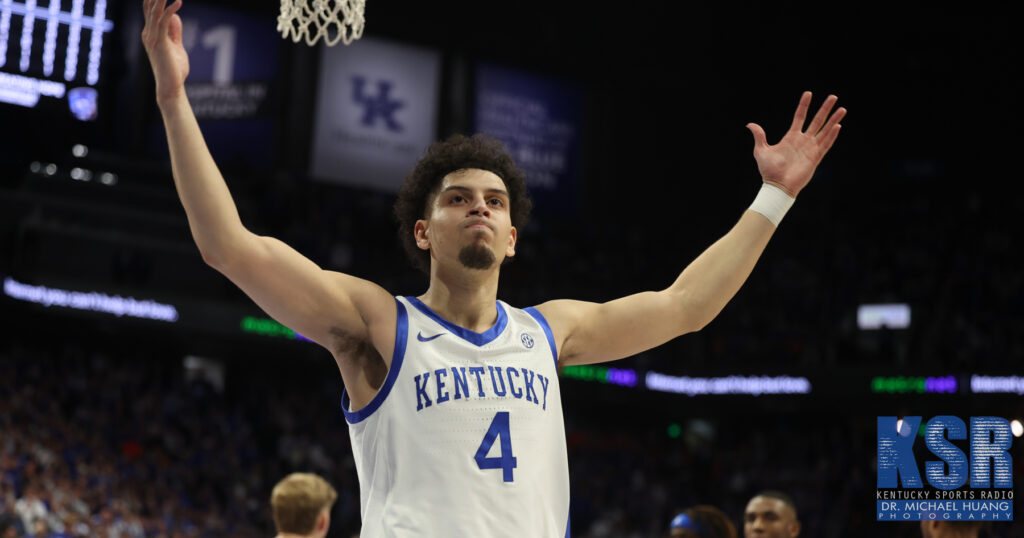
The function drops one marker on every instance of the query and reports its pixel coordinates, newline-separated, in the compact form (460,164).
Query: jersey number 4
(505,461)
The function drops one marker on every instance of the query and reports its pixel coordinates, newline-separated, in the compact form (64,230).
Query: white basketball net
(333,20)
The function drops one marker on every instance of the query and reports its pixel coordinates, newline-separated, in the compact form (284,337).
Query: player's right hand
(791,162)
(161,37)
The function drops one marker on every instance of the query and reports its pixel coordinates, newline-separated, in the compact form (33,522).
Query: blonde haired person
(302,503)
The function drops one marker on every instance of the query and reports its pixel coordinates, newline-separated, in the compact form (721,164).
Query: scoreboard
(51,54)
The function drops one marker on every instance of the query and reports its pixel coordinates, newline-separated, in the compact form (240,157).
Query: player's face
(468,221)
(766,517)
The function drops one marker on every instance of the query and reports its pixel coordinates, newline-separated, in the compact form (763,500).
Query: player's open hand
(790,164)
(161,36)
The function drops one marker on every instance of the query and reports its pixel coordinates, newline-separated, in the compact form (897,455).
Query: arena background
(183,426)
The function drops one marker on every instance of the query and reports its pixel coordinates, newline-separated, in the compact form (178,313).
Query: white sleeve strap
(772,202)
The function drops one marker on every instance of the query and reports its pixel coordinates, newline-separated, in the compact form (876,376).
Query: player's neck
(464,297)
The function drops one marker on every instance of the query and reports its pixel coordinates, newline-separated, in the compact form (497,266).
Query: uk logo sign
(380,106)
(976,486)
(377,108)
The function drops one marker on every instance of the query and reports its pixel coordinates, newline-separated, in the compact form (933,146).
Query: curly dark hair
(442,158)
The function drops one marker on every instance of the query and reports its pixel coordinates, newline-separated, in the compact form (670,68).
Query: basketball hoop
(333,20)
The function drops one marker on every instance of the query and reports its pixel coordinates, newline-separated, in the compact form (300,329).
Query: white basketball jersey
(466,435)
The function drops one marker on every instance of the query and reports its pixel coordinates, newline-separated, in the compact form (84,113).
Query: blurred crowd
(98,440)
(100,444)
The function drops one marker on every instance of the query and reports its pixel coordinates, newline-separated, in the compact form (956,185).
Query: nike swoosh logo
(419,336)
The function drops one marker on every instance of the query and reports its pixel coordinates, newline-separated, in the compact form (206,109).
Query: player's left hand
(790,164)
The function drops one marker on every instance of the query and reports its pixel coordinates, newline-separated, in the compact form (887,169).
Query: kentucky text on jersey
(455,383)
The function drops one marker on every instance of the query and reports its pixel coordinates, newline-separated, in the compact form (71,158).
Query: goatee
(476,257)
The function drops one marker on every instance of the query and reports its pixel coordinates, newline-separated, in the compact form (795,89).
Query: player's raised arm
(590,332)
(323,306)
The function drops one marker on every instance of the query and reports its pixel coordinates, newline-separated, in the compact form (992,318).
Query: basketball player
(452,397)
(771,514)
(301,503)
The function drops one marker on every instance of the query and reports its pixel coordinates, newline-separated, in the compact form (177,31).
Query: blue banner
(226,46)
(233,60)
(538,120)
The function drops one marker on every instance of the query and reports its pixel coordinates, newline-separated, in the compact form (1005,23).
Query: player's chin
(477,256)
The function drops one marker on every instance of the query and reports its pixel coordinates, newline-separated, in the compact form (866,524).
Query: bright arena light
(81,174)
(51,169)
(876,316)
(35,167)
(1017,428)
(79,150)
(753,385)
(1012,384)
(107,178)
(94,301)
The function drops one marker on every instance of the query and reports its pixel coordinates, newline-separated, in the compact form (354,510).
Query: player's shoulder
(560,311)
(375,310)
(562,317)
(371,300)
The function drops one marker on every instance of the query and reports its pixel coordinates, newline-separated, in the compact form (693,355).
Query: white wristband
(772,202)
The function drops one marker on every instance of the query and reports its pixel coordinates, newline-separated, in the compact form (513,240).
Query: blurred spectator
(771,514)
(302,505)
(31,508)
(702,521)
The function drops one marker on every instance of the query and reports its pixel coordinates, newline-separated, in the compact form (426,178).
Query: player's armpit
(588,333)
(327,307)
